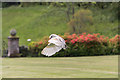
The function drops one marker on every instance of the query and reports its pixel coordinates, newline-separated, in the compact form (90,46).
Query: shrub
(24,51)
(81,45)
(35,48)
(81,20)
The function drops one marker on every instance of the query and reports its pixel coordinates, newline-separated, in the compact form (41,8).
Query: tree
(81,20)
(70,10)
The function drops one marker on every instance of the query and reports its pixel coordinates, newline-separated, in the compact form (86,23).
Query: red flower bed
(83,45)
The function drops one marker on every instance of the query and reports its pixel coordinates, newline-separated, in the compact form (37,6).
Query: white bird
(56,43)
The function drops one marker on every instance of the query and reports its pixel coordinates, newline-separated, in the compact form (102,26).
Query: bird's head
(52,36)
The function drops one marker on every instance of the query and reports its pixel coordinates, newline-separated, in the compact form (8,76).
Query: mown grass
(61,67)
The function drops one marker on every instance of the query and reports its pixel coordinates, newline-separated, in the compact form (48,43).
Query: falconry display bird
(56,43)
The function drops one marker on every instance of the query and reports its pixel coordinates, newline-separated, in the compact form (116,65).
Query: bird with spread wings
(56,43)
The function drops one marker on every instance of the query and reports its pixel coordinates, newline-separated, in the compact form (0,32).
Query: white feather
(50,50)
(55,44)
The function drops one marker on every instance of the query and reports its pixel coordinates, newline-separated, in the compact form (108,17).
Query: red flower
(72,41)
(116,36)
(41,42)
(76,39)
(82,41)
(36,45)
(84,33)
(73,34)
(86,38)
(89,35)
(82,36)
(69,37)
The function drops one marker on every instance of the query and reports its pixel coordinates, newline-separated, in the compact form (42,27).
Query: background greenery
(36,20)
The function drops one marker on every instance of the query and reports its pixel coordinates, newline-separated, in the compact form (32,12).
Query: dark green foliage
(23,51)
(8,4)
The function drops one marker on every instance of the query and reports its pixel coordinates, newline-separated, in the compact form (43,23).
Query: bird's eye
(51,37)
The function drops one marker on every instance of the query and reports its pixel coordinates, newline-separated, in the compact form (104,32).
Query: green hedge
(80,45)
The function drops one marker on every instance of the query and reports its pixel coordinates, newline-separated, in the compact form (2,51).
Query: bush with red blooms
(82,45)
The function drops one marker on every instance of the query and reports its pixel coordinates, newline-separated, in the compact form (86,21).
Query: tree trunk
(68,12)
(73,10)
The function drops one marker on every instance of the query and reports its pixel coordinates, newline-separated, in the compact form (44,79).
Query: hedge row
(80,45)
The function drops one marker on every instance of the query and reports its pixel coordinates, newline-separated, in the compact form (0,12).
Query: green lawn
(61,67)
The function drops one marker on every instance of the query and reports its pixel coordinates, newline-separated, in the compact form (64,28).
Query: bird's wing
(62,40)
(51,49)
(56,41)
